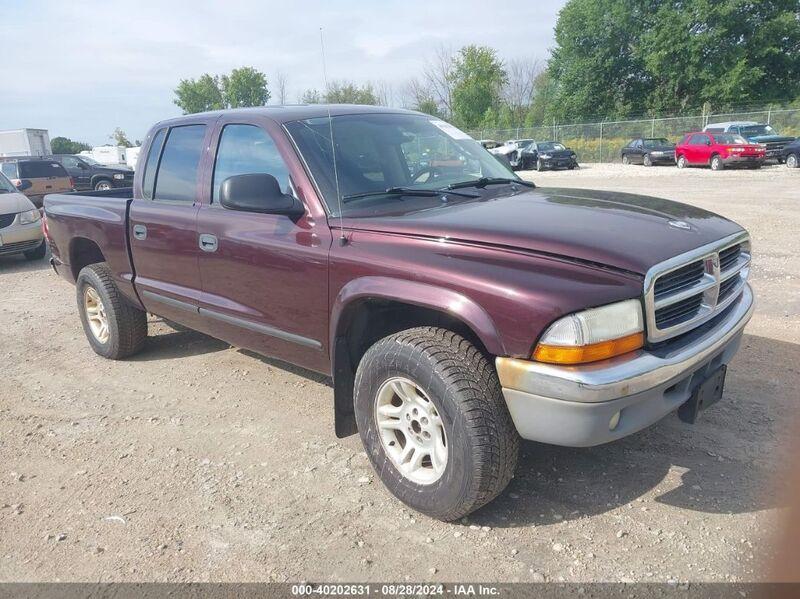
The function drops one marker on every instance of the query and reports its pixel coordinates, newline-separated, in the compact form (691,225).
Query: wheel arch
(83,252)
(371,308)
(100,177)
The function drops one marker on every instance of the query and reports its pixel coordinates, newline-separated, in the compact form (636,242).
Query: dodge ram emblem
(679,224)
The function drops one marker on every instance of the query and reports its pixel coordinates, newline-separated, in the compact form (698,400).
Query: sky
(81,69)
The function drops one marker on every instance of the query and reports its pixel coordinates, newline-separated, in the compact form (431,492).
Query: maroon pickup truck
(456,307)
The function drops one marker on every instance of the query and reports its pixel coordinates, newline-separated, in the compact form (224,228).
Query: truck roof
(294,112)
(733,123)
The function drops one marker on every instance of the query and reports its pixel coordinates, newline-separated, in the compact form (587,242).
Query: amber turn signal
(557,354)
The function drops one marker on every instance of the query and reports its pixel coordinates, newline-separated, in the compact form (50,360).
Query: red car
(719,150)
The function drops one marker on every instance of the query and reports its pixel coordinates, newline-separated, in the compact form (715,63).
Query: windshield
(729,138)
(88,160)
(550,146)
(6,185)
(656,142)
(379,152)
(756,130)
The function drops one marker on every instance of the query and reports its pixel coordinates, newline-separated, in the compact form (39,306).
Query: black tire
(625,160)
(647,161)
(681,162)
(792,161)
(716,163)
(127,325)
(482,442)
(103,185)
(37,253)
(539,165)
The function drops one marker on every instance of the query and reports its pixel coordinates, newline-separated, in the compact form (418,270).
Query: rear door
(162,227)
(264,276)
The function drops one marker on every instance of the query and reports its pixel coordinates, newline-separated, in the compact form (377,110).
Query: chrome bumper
(574,405)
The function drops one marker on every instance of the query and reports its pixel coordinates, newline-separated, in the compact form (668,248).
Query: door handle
(140,232)
(208,242)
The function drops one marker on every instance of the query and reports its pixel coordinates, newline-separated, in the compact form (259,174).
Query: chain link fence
(602,142)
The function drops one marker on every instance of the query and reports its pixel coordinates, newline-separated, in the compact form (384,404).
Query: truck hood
(620,230)
(762,139)
(13,203)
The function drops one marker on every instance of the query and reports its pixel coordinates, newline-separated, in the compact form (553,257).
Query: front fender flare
(420,294)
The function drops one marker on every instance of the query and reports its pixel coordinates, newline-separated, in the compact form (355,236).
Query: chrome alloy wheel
(96,314)
(411,431)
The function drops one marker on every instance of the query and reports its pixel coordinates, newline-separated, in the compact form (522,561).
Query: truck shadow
(726,463)
(169,341)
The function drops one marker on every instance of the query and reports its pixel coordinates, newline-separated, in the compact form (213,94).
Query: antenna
(342,238)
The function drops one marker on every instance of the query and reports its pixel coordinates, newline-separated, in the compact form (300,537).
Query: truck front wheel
(433,421)
(115,328)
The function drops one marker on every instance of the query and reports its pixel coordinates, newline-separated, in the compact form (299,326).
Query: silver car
(20,226)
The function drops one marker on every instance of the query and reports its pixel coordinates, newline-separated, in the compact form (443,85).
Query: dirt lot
(197,461)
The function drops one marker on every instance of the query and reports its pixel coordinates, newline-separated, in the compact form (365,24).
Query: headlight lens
(593,335)
(546,156)
(119,176)
(29,217)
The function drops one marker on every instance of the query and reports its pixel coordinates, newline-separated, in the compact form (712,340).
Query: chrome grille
(688,290)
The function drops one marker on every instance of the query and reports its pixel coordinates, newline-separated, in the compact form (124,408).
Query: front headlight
(546,156)
(29,217)
(119,175)
(593,335)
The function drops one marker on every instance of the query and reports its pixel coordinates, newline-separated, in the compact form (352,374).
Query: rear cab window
(176,176)
(150,166)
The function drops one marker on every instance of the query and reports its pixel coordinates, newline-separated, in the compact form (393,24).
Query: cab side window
(698,140)
(246,150)
(176,178)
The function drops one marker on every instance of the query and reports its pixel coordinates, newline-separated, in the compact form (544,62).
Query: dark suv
(90,174)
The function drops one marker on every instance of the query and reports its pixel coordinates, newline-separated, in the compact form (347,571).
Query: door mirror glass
(258,192)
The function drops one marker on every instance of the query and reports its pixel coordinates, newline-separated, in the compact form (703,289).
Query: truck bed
(91,223)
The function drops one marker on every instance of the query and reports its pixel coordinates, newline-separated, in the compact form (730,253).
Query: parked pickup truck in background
(87,173)
(757,133)
(457,308)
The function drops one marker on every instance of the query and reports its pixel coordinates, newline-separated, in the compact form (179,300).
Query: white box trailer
(131,156)
(25,142)
(110,155)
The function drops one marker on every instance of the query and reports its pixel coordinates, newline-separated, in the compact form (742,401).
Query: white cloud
(93,66)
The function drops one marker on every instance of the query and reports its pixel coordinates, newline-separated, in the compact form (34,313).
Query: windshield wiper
(407,191)
(484,181)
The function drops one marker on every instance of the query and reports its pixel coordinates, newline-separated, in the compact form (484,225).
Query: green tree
(64,145)
(244,87)
(542,107)
(311,96)
(428,106)
(346,92)
(477,77)
(120,139)
(199,95)
(618,57)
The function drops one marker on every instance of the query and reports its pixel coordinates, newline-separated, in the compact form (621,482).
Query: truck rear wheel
(433,421)
(115,329)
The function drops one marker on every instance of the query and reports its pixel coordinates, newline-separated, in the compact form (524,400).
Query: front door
(79,171)
(264,276)
(699,152)
(163,233)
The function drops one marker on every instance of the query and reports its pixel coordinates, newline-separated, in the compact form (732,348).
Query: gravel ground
(197,461)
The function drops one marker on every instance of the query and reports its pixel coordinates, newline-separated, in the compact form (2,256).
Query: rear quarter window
(41,170)
(176,179)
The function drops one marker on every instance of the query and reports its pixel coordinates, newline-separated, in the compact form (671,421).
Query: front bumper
(735,160)
(15,238)
(574,405)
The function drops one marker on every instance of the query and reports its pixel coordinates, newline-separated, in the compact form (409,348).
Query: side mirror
(24,184)
(258,193)
(708,142)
